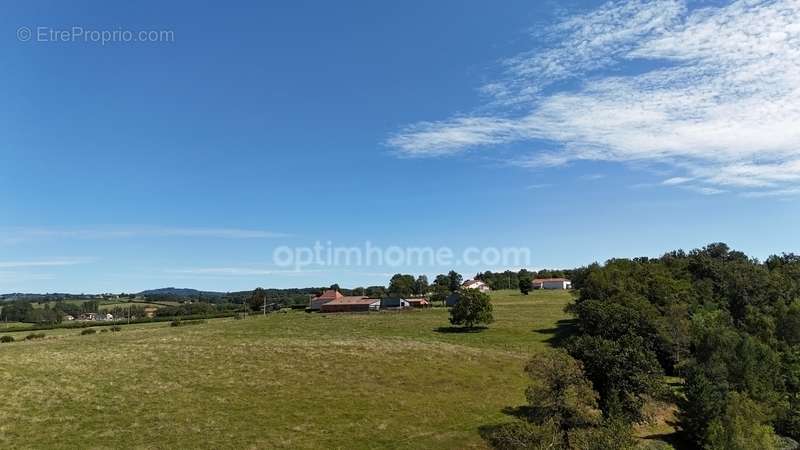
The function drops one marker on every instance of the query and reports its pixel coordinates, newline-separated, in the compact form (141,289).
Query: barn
(349,304)
(419,302)
(315,303)
(394,303)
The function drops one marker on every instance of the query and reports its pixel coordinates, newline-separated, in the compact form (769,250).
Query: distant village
(332,301)
(403,292)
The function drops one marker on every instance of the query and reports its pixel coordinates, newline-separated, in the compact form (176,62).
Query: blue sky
(582,130)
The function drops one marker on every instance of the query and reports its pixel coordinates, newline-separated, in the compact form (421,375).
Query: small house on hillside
(350,304)
(476,284)
(552,283)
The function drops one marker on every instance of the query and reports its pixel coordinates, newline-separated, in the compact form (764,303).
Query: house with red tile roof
(418,302)
(315,304)
(350,304)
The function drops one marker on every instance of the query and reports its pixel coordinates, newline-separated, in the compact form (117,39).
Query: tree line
(727,324)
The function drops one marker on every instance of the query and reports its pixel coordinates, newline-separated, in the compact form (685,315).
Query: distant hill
(180,293)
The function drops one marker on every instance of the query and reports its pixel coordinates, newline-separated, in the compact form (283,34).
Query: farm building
(315,303)
(476,284)
(552,283)
(350,304)
(419,302)
(394,303)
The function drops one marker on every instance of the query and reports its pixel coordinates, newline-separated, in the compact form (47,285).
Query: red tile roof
(329,294)
(352,300)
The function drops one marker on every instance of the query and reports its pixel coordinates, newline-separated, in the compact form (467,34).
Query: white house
(476,284)
(552,283)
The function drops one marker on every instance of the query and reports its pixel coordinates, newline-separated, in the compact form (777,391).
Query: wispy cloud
(538,186)
(15,235)
(676,180)
(60,262)
(713,92)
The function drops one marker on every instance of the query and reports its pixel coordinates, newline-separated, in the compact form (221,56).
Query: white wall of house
(561,284)
(479,285)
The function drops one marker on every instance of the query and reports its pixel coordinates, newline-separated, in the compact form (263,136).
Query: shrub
(116,328)
(522,435)
(33,336)
(88,331)
(610,435)
(104,330)
(6,339)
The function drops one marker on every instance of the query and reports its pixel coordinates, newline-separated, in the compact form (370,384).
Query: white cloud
(538,186)
(676,180)
(44,263)
(712,92)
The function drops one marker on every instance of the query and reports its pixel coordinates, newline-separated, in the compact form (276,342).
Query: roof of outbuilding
(329,294)
(352,300)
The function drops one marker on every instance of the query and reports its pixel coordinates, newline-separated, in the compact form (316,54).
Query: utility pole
(265,306)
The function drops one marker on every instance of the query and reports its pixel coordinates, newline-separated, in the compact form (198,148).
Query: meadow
(287,380)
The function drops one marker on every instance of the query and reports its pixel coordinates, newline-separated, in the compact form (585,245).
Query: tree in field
(560,391)
(256,299)
(421,285)
(375,291)
(402,285)
(473,308)
(439,293)
(624,371)
(525,284)
(562,412)
(455,280)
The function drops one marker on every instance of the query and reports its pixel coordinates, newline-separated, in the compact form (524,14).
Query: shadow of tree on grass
(563,330)
(460,329)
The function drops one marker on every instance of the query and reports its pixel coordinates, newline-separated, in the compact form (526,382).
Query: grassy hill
(293,380)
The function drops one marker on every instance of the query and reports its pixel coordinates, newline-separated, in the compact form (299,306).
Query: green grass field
(288,380)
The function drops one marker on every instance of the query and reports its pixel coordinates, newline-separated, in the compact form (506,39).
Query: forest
(726,324)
